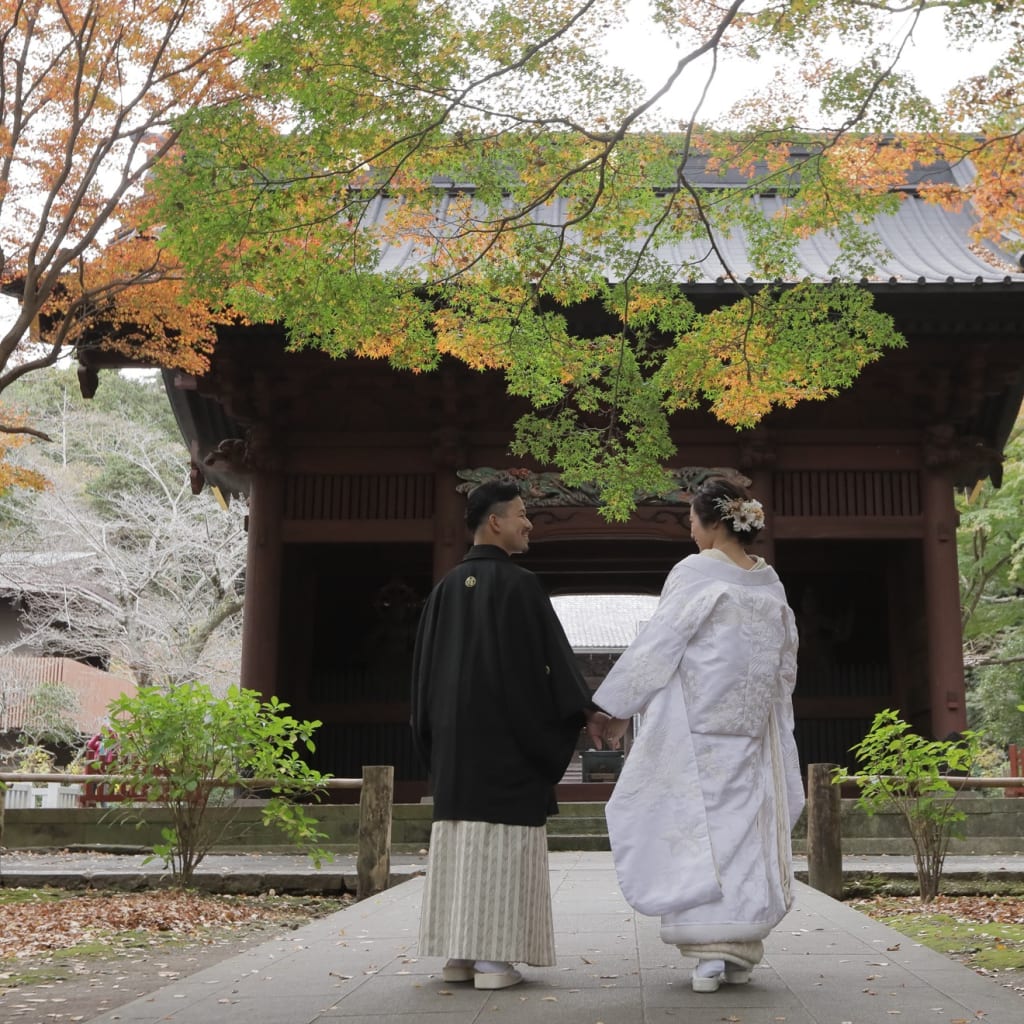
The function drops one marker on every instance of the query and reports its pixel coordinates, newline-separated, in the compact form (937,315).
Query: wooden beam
(357,531)
(848,527)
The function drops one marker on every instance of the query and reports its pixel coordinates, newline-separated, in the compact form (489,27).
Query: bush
(51,716)
(180,747)
(33,759)
(903,771)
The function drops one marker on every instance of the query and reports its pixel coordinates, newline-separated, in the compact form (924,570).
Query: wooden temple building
(352,472)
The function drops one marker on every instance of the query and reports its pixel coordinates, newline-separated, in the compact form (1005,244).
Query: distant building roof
(603,622)
(49,572)
(20,677)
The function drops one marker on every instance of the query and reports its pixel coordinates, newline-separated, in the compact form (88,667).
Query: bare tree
(147,580)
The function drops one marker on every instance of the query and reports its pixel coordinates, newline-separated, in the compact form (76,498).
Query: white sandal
(495,975)
(457,970)
(708,975)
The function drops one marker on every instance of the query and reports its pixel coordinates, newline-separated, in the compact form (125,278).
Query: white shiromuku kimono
(701,816)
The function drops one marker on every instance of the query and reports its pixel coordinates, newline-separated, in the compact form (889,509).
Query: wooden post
(942,606)
(373,862)
(824,836)
(261,620)
(3,811)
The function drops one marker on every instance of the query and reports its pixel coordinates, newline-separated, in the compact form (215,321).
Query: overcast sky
(642,49)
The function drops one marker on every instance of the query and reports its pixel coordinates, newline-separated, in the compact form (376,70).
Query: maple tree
(88,94)
(423,181)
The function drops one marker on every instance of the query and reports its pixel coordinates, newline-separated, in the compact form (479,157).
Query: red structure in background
(101,759)
(1016,770)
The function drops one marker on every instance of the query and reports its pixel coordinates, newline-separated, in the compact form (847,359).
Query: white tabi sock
(709,968)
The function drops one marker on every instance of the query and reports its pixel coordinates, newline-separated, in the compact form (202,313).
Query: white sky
(642,49)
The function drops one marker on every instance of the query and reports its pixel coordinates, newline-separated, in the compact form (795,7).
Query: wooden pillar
(261,621)
(450,540)
(373,861)
(450,537)
(942,605)
(824,834)
(761,488)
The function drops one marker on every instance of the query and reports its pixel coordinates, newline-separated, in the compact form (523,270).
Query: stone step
(558,825)
(578,842)
(593,809)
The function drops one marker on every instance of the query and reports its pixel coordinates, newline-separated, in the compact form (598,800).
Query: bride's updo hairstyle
(719,500)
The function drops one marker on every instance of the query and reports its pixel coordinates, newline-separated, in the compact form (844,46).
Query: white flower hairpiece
(745,513)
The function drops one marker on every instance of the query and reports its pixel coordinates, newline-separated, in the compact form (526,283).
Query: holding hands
(605,732)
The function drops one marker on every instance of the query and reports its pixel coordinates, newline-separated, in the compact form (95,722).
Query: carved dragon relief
(546,490)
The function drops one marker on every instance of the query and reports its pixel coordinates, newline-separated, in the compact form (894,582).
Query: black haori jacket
(497,695)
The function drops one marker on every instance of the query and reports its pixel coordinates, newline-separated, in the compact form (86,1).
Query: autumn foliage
(410,181)
(88,97)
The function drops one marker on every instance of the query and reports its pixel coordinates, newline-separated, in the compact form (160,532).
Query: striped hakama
(487,894)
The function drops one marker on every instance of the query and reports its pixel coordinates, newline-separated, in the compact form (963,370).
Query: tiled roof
(924,243)
(603,622)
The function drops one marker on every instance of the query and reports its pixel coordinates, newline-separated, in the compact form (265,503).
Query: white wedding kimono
(701,816)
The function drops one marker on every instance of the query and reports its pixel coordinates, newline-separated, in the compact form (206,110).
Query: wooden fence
(376,797)
(824,831)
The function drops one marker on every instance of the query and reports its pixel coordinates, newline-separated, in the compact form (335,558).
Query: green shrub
(182,747)
(903,771)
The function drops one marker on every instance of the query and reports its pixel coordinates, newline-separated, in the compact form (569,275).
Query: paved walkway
(258,872)
(825,964)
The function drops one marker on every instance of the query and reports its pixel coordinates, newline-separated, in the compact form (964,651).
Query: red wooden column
(761,488)
(261,621)
(757,460)
(942,605)
(450,542)
(450,538)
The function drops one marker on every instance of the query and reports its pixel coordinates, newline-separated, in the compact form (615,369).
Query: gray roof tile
(603,622)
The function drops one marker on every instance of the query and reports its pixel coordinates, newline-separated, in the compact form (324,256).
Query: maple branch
(459,100)
(12,428)
(9,376)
